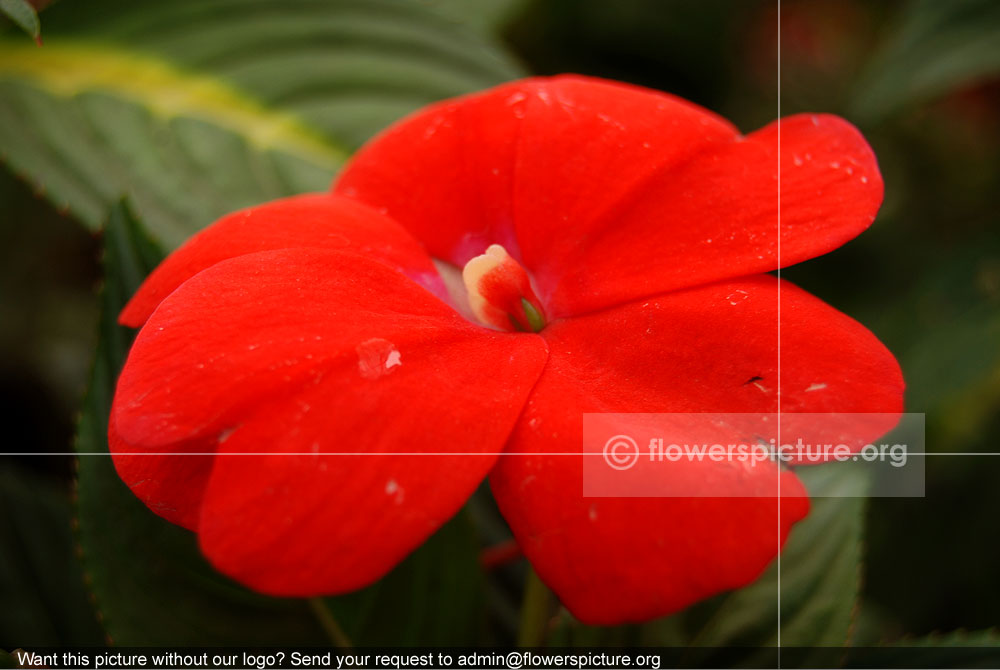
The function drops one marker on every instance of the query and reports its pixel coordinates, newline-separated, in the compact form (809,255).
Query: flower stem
(535,612)
(329,624)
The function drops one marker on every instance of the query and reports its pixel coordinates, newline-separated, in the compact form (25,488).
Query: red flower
(318,325)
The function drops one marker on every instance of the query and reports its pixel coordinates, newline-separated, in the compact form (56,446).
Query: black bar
(388,658)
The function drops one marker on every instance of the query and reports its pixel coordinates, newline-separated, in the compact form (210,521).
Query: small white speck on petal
(392,488)
(816,387)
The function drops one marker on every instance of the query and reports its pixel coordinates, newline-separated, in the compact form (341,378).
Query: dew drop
(737,296)
(377,357)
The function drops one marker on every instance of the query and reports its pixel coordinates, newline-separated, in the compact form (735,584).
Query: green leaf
(936,47)
(195,109)
(435,597)
(90,124)
(820,569)
(24,15)
(346,67)
(818,587)
(151,584)
(482,15)
(41,584)
(959,649)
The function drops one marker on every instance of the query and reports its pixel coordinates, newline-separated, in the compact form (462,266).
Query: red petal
(306,351)
(314,220)
(543,153)
(446,172)
(630,559)
(171,486)
(608,192)
(715,217)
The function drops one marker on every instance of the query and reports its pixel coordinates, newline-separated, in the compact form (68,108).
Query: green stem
(536,611)
(329,624)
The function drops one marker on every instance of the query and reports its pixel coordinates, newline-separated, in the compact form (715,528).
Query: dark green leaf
(435,597)
(184,148)
(960,649)
(41,583)
(819,572)
(482,15)
(936,47)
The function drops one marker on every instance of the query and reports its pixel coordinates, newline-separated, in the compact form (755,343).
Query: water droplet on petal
(377,357)
(737,296)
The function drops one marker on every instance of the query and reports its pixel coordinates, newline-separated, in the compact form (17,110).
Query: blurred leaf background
(190,109)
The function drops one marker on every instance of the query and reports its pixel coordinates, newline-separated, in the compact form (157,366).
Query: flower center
(500,292)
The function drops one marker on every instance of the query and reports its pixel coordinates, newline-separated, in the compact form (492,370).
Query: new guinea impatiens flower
(613,243)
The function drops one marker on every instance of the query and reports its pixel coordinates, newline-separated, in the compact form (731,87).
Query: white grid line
(779,326)
(693,454)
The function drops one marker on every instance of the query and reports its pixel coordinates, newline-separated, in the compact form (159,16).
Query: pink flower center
(500,292)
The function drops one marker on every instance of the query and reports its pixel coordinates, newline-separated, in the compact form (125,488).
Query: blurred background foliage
(191,109)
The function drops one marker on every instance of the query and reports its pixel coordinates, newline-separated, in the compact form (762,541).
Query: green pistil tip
(535,318)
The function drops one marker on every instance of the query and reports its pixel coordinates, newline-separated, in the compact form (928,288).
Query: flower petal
(716,216)
(607,192)
(446,172)
(308,351)
(170,485)
(315,220)
(708,349)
